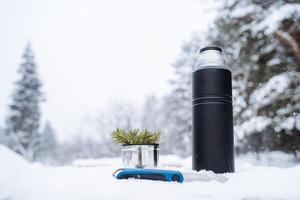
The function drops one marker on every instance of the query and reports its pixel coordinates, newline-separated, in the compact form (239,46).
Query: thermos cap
(210,57)
(211,48)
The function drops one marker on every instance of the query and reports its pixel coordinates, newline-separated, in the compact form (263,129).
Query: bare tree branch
(289,41)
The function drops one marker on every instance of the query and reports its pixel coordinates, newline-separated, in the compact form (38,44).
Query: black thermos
(212,113)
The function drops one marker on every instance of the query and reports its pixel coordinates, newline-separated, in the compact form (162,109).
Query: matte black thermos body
(212,113)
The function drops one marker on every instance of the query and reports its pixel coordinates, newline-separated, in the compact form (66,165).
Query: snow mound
(101,162)
(12,167)
(12,164)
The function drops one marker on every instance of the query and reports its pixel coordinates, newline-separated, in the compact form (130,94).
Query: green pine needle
(135,136)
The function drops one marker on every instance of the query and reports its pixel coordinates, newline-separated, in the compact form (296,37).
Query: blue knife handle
(150,174)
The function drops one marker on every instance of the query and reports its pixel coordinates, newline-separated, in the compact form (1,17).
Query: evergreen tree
(177,108)
(151,117)
(262,39)
(48,144)
(119,114)
(2,136)
(23,122)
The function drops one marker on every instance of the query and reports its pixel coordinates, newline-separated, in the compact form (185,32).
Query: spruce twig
(135,136)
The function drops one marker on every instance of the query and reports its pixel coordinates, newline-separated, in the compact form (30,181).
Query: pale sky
(91,52)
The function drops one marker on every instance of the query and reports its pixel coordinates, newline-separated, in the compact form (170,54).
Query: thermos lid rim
(211,48)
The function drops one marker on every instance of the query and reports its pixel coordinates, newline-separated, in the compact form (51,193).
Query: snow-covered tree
(118,115)
(155,116)
(151,116)
(177,106)
(262,39)
(23,122)
(48,144)
(2,136)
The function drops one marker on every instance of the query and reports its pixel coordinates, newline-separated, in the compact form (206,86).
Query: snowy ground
(92,179)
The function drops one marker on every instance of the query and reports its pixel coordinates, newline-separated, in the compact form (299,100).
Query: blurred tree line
(261,42)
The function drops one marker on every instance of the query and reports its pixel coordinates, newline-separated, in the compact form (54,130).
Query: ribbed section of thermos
(212,113)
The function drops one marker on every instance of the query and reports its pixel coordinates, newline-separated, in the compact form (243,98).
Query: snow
(270,159)
(274,16)
(247,9)
(271,90)
(297,122)
(288,123)
(277,87)
(96,162)
(274,61)
(92,179)
(12,166)
(255,124)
